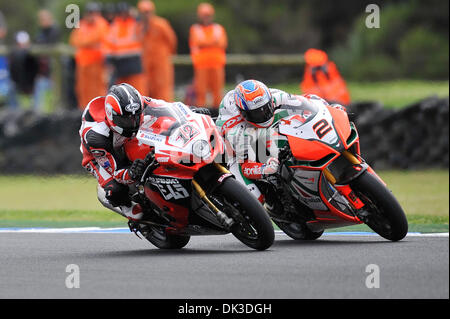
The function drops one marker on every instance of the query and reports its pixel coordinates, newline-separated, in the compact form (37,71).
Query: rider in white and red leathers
(248,111)
(108,122)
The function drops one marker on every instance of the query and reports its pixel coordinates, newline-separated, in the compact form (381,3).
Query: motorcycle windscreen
(163,120)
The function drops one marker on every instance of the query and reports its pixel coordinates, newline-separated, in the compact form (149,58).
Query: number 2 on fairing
(321,128)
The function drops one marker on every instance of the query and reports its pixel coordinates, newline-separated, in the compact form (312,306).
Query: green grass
(70,201)
(61,218)
(393,94)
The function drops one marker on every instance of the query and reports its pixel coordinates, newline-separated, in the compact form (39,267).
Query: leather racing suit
(255,150)
(104,157)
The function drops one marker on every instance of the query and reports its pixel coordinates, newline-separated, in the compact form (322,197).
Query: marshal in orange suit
(322,78)
(124,48)
(89,57)
(159,44)
(208,41)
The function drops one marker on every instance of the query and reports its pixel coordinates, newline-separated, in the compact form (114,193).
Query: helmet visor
(128,122)
(259,115)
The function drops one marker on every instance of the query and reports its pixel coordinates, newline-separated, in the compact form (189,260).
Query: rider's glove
(137,169)
(284,154)
(270,167)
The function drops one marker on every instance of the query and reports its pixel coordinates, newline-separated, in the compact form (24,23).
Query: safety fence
(272,67)
(413,137)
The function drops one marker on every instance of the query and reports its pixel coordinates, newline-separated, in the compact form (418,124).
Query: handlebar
(285,154)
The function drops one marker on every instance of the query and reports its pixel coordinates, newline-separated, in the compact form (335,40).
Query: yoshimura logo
(132,107)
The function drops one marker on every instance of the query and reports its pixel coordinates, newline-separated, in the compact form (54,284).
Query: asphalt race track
(33,265)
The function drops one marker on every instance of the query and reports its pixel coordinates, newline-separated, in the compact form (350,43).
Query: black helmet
(123,107)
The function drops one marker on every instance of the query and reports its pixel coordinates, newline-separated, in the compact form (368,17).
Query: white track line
(99,230)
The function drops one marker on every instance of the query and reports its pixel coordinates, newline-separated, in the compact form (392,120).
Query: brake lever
(150,168)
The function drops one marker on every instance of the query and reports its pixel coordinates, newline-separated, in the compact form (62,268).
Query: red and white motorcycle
(183,191)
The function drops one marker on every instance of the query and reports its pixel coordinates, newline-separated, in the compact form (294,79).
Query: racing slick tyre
(158,237)
(253,226)
(298,231)
(382,212)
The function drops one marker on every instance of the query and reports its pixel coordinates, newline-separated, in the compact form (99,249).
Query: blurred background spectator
(208,41)
(159,45)
(89,40)
(411,43)
(124,48)
(48,34)
(23,68)
(4,72)
(109,11)
(3,28)
(321,77)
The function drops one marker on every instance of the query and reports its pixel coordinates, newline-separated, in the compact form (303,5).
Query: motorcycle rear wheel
(298,231)
(158,237)
(257,229)
(386,216)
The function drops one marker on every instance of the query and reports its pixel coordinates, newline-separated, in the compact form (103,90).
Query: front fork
(226,221)
(342,186)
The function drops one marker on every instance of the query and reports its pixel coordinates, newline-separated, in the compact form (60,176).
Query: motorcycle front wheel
(382,212)
(252,226)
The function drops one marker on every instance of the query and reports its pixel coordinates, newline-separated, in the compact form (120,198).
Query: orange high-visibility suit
(159,44)
(124,49)
(322,78)
(208,44)
(89,58)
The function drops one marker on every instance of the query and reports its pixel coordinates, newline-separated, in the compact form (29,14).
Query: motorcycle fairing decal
(152,137)
(346,191)
(182,110)
(298,127)
(171,195)
(179,212)
(169,188)
(186,133)
(176,148)
(306,188)
(307,180)
(169,192)
(336,213)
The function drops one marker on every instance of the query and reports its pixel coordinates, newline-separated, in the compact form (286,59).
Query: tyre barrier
(31,143)
(412,137)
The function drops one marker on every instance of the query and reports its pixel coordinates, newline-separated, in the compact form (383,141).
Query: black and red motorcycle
(183,191)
